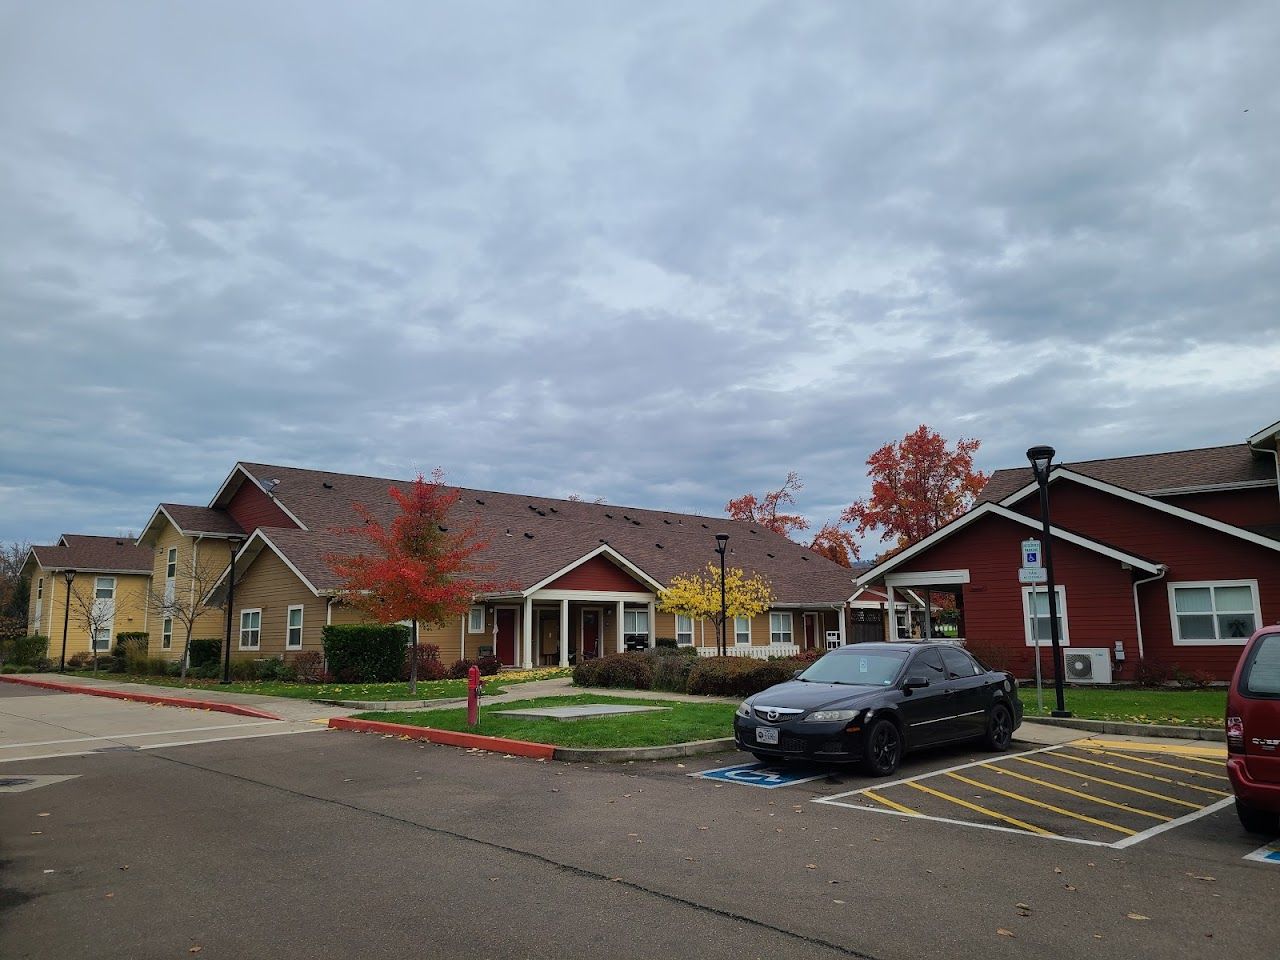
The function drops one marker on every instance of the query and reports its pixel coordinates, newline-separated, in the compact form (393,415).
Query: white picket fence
(759,653)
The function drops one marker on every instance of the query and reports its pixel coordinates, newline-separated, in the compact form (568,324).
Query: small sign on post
(1031,571)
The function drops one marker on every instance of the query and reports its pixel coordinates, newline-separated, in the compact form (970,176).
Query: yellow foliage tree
(698,596)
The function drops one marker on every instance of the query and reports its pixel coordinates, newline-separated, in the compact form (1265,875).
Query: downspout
(1275,452)
(1137,613)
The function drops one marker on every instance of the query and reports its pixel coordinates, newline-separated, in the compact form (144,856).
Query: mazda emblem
(771,715)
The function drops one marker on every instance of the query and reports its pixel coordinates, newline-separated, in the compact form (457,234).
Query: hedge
(739,676)
(205,650)
(25,651)
(638,669)
(365,652)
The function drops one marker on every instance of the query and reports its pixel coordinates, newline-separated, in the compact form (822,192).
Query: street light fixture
(722,539)
(234,543)
(1041,458)
(70,576)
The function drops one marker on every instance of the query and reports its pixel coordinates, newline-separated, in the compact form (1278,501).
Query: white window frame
(682,633)
(39,588)
(166,633)
(39,604)
(1220,642)
(789,633)
(256,631)
(102,640)
(741,628)
(632,615)
(472,625)
(1060,591)
(97,585)
(171,563)
(289,627)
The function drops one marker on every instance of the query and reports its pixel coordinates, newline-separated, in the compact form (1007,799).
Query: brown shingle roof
(530,538)
(192,519)
(1153,472)
(97,554)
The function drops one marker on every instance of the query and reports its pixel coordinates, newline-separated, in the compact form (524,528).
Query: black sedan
(871,702)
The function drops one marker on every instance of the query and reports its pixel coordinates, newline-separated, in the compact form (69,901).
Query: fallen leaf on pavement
(837,901)
(1137,916)
(1006,933)
(1194,876)
(1067,886)
(1057,869)
(195,949)
(42,814)
(811,866)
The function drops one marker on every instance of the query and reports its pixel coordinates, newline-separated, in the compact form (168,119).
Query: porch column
(564,633)
(843,614)
(622,637)
(526,634)
(653,614)
(891,615)
(928,614)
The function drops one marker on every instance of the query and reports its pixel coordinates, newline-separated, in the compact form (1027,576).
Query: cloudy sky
(656,253)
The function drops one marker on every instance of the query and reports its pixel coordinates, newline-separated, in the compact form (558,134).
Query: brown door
(810,631)
(590,634)
(506,637)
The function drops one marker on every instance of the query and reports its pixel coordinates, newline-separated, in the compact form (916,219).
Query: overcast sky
(656,253)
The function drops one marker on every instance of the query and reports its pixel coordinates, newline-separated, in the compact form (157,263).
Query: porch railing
(758,652)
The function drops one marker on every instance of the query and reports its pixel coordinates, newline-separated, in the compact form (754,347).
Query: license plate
(766,735)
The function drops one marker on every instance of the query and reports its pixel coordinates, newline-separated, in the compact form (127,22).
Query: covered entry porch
(935,593)
(560,627)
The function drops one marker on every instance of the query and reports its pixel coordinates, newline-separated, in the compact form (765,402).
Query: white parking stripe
(129,736)
(1148,834)
(157,746)
(933,773)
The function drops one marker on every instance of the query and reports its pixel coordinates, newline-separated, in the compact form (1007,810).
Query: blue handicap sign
(758,775)
(1268,854)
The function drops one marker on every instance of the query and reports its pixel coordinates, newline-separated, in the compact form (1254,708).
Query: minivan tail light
(1235,735)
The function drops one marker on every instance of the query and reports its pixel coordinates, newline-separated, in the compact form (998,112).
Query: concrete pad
(578,713)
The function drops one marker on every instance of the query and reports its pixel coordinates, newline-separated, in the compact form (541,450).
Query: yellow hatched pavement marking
(1181,749)
(1021,824)
(1047,806)
(888,803)
(1112,783)
(1143,774)
(1077,793)
(1160,763)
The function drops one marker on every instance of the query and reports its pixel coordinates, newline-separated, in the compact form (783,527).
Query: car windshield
(875,668)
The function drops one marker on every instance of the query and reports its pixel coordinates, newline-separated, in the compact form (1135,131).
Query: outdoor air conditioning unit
(1088,665)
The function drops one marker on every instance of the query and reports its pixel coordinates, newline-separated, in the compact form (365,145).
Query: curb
(520,748)
(616,754)
(1134,729)
(213,705)
(390,705)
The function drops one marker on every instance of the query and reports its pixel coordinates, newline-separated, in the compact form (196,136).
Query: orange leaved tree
(418,567)
(764,510)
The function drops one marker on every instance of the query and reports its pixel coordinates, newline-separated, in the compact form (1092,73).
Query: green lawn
(427,690)
(1191,708)
(683,722)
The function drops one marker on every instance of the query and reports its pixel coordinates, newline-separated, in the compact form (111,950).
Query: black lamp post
(722,539)
(1041,458)
(70,576)
(231,604)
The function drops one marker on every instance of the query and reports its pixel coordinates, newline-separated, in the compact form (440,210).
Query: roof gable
(93,555)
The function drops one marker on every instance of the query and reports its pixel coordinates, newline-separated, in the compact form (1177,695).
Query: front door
(590,634)
(810,631)
(506,641)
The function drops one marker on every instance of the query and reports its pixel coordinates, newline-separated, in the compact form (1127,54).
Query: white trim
(736,641)
(648,629)
(254,480)
(240,638)
(1211,488)
(678,618)
(1060,591)
(1146,501)
(607,550)
(243,569)
(302,610)
(790,632)
(591,595)
(515,627)
(166,633)
(923,577)
(1266,433)
(471,612)
(1213,612)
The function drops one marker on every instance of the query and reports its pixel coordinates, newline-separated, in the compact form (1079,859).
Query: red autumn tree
(765,510)
(917,485)
(836,544)
(417,567)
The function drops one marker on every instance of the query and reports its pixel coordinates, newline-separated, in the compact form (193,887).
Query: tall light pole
(231,605)
(70,576)
(722,539)
(1041,458)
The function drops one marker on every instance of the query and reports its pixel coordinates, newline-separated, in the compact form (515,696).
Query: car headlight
(831,716)
(744,709)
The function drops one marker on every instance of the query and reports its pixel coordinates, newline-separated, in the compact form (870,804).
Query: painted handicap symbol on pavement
(1268,854)
(758,775)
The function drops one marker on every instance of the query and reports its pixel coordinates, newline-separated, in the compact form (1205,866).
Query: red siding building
(1171,559)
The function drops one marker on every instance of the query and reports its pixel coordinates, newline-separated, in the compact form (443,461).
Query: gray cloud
(659,254)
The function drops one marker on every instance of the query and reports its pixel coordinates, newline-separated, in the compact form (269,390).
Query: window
(779,628)
(475,619)
(1261,675)
(635,623)
(40,588)
(742,630)
(1036,624)
(1225,611)
(684,631)
(102,639)
(293,631)
(958,663)
(928,664)
(104,588)
(166,633)
(250,629)
(171,564)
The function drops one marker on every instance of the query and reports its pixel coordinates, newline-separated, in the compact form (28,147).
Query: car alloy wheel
(884,748)
(999,728)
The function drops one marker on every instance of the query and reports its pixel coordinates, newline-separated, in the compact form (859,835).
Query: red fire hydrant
(473,696)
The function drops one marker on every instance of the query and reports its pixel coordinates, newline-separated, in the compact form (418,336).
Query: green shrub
(666,643)
(270,669)
(80,661)
(159,666)
(205,650)
(585,673)
(141,636)
(130,653)
(207,671)
(365,652)
(25,668)
(672,673)
(25,651)
(632,670)
(738,676)
(244,670)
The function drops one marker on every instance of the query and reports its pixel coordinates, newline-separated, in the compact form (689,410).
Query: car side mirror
(915,683)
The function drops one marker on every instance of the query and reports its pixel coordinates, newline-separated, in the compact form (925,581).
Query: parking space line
(1158,763)
(887,802)
(1046,806)
(1143,774)
(1186,818)
(934,773)
(1077,793)
(1030,827)
(134,736)
(1205,752)
(1093,778)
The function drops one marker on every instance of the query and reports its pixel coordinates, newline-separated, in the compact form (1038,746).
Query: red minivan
(1253,733)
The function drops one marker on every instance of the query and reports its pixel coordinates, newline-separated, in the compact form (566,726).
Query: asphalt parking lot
(345,844)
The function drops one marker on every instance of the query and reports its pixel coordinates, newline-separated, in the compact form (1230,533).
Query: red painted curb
(521,748)
(214,705)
